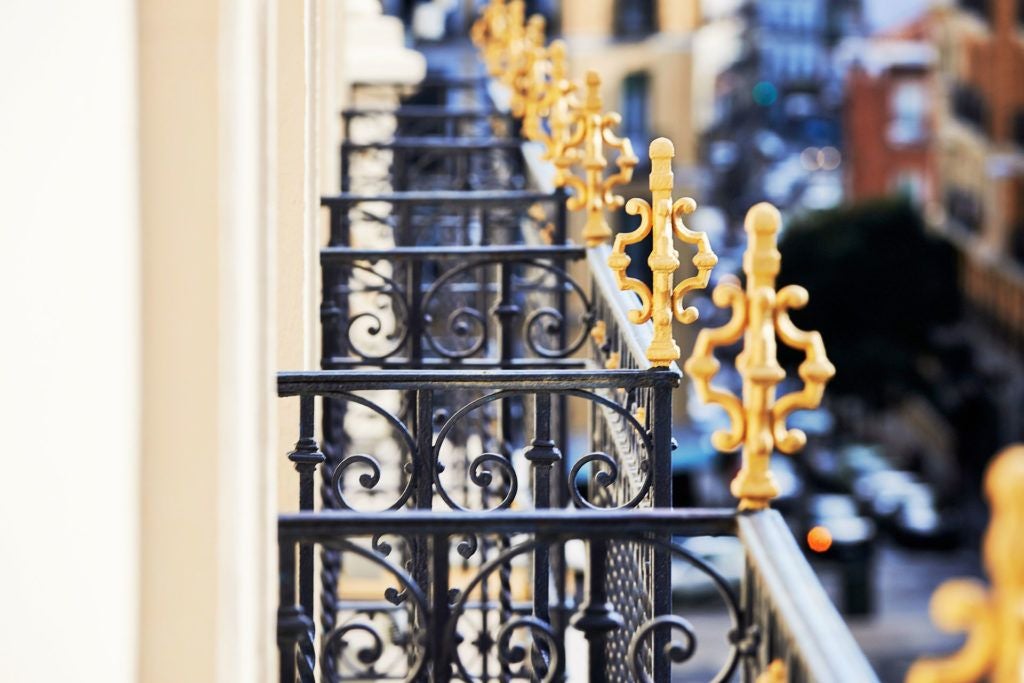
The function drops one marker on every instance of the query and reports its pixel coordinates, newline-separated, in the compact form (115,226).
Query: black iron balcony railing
(425,121)
(425,306)
(433,90)
(781,614)
(485,441)
(448,218)
(464,530)
(432,164)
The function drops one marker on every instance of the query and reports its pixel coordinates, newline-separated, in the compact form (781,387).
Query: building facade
(889,120)
(980,154)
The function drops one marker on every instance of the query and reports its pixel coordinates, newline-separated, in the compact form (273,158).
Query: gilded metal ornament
(591,132)
(551,99)
(758,420)
(663,218)
(993,616)
(526,63)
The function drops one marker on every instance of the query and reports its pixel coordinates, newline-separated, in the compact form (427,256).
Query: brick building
(889,122)
(980,155)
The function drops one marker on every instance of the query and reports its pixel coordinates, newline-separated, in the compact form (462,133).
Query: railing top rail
(425,111)
(397,362)
(818,636)
(444,197)
(464,82)
(436,143)
(318,382)
(460,253)
(311,526)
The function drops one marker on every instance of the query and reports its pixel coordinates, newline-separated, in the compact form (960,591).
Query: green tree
(880,287)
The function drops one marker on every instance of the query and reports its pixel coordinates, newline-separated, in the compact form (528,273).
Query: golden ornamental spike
(490,34)
(758,421)
(591,132)
(507,52)
(524,77)
(550,98)
(992,617)
(664,219)
(486,26)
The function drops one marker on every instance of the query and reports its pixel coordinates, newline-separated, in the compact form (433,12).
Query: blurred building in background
(643,50)
(980,155)
(889,119)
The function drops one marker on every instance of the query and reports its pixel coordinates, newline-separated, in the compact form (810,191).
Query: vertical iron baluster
(543,454)
(441,650)
(423,467)
(346,163)
(506,311)
(399,170)
(306,457)
(596,616)
(288,612)
(661,438)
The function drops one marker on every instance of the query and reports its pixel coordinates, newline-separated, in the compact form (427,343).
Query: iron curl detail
(676,651)
(544,665)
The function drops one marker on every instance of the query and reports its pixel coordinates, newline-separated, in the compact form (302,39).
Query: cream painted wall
(208,354)
(69,354)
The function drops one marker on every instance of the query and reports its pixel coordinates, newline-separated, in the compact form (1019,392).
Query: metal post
(661,433)
(543,454)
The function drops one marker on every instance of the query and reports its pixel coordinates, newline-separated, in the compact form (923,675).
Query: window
(636,123)
(1017,127)
(978,7)
(963,207)
(634,18)
(970,107)
(908,106)
(910,184)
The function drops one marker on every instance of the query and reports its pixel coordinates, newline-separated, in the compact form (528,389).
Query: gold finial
(551,99)
(524,79)
(511,44)
(775,673)
(490,34)
(664,218)
(592,130)
(483,29)
(758,421)
(993,617)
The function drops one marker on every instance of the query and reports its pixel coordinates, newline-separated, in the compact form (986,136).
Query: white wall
(69,350)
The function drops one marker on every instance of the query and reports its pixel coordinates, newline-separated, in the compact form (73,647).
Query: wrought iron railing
(781,614)
(453,493)
(425,121)
(432,164)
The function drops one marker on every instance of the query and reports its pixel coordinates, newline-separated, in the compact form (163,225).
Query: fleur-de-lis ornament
(525,76)
(992,617)
(487,30)
(512,43)
(490,34)
(591,133)
(663,218)
(551,100)
(758,419)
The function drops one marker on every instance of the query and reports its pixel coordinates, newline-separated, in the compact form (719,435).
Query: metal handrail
(315,382)
(441,197)
(818,642)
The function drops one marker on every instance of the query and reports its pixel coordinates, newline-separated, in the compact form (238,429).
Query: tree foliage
(880,286)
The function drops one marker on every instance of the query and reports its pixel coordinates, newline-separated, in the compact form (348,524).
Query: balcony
(490,495)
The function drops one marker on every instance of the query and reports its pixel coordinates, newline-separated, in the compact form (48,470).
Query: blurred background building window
(970,107)
(636,114)
(978,7)
(908,105)
(634,18)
